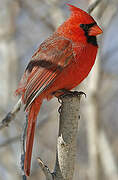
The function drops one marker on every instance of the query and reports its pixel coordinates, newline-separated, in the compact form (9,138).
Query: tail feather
(32,115)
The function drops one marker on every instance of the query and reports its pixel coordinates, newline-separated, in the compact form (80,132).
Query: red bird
(62,61)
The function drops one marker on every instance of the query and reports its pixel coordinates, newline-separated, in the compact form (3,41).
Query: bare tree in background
(22,25)
(8,76)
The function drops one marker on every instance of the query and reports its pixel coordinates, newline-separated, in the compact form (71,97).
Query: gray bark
(66,142)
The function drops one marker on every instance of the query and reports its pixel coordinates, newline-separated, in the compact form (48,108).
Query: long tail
(32,115)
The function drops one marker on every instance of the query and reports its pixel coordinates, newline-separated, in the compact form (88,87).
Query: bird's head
(80,25)
(84,21)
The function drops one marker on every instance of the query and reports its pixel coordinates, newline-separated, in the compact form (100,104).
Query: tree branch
(45,169)
(67,138)
(93,5)
(11,115)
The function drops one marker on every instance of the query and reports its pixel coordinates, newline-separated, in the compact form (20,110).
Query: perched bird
(60,63)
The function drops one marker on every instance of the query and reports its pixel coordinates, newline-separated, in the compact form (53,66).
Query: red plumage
(61,62)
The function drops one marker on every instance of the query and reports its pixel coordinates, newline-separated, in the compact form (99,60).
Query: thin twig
(45,169)
(23,137)
(40,125)
(11,115)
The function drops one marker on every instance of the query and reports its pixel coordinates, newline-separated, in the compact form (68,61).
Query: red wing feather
(46,64)
(39,86)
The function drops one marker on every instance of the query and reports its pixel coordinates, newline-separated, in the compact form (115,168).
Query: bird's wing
(46,64)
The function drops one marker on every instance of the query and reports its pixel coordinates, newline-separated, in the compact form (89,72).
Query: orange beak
(95,30)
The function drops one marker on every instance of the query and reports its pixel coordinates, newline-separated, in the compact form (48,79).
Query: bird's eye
(82,26)
(86,27)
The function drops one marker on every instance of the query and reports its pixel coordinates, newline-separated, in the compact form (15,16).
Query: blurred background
(23,26)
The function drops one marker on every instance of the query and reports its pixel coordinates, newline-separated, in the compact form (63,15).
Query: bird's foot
(64,92)
(71,93)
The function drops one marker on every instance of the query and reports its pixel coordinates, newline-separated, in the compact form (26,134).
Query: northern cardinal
(62,61)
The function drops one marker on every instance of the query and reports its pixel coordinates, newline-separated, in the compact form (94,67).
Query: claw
(71,93)
(59,110)
(59,99)
(79,93)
